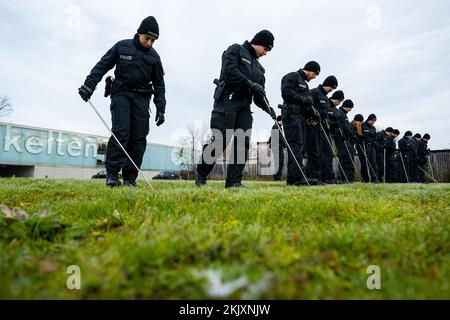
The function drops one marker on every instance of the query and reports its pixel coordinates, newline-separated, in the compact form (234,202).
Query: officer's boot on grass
(130,183)
(237,185)
(112,181)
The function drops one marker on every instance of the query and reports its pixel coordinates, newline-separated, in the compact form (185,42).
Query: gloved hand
(85,92)
(159,118)
(256,88)
(308,101)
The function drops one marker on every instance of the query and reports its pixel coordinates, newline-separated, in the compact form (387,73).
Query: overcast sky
(392,58)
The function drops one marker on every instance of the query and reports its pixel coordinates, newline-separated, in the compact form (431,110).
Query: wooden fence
(440,165)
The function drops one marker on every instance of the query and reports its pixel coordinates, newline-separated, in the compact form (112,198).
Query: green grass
(281,242)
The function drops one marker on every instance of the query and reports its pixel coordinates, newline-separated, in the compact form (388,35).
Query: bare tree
(5,106)
(191,146)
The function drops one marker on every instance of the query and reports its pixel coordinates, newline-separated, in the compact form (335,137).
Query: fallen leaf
(48,266)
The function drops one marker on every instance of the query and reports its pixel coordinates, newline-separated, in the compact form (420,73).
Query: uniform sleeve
(259,100)
(315,96)
(159,86)
(106,63)
(288,85)
(230,69)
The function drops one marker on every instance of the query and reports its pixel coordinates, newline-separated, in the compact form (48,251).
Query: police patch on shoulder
(126,57)
(246,60)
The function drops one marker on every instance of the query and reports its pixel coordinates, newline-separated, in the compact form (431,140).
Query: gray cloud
(391,58)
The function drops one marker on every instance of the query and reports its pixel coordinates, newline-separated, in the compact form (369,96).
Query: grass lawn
(265,242)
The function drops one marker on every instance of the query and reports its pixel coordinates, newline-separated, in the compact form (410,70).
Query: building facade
(45,153)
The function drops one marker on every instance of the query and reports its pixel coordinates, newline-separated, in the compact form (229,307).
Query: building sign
(27,146)
(32,146)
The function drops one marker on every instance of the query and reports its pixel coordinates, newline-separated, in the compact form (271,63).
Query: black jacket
(345,129)
(331,120)
(294,90)
(414,148)
(136,67)
(369,134)
(381,141)
(404,145)
(239,65)
(390,146)
(422,150)
(321,101)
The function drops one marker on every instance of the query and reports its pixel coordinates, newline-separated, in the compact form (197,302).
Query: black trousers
(380,164)
(413,170)
(326,159)
(294,130)
(404,168)
(346,155)
(234,121)
(390,168)
(313,148)
(279,173)
(369,167)
(422,168)
(130,124)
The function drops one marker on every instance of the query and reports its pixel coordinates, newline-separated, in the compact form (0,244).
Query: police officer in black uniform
(369,167)
(138,75)
(241,82)
(314,136)
(330,124)
(404,146)
(381,142)
(413,169)
(297,105)
(344,139)
(397,165)
(390,148)
(380,145)
(422,153)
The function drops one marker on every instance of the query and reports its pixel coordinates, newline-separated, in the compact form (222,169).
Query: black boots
(234,185)
(129,183)
(112,181)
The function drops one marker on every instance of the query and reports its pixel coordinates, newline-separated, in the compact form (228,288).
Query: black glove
(85,92)
(159,118)
(256,88)
(308,101)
